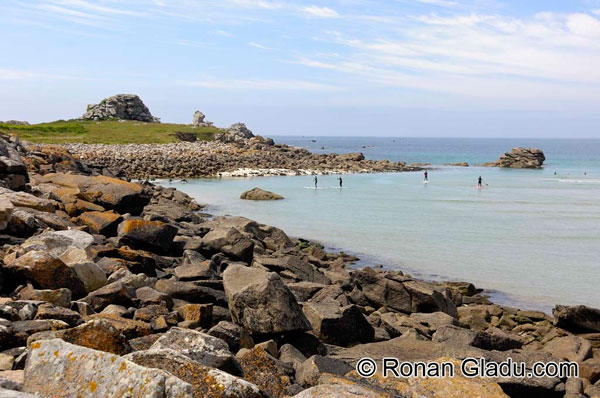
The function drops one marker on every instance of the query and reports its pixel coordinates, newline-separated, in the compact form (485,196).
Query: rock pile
(520,158)
(16,122)
(121,106)
(253,157)
(113,289)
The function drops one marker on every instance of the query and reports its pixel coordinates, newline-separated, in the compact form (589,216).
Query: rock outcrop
(198,120)
(120,106)
(260,194)
(235,133)
(520,158)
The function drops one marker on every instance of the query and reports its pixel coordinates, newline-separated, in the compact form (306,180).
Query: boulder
(57,243)
(309,372)
(234,335)
(113,293)
(13,171)
(190,292)
(92,276)
(238,132)
(207,382)
(120,106)
(60,297)
(260,194)
(200,347)
(96,334)
(338,325)
(56,369)
(570,348)
(339,391)
(45,271)
(27,200)
(151,235)
(108,192)
(260,301)
(101,222)
(302,269)
(577,319)
(130,328)
(49,311)
(229,241)
(268,373)
(520,158)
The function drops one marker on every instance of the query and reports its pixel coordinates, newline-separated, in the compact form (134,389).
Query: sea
(529,238)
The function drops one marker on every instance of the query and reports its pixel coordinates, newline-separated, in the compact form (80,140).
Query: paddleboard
(313,188)
(425,182)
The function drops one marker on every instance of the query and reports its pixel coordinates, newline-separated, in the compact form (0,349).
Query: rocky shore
(114,289)
(248,157)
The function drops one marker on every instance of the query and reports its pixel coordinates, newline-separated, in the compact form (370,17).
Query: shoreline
(495,296)
(139,277)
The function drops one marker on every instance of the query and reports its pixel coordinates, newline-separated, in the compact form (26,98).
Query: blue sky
(483,68)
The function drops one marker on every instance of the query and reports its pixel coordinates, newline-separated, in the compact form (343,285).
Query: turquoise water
(532,238)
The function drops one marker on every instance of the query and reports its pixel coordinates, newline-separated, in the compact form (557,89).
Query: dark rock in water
(260,194)
(520,158)
(121,106)
(577,319)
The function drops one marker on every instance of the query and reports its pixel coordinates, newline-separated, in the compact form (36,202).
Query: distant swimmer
(316,182)
(341,182)
(585,173)
(183,180)
(479,182)
(555,173)
(426,175)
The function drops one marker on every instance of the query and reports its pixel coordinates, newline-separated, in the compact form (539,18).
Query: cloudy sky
(476,68)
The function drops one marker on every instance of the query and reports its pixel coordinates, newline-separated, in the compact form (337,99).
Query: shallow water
(529,235)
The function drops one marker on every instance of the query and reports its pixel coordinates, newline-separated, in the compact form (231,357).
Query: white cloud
(258,45)
(262,85)
(321,12)
(444,3)
(584,25)
(95,7)
(257,4)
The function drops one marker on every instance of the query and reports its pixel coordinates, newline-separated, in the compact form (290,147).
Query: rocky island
(520,158)
(111,288)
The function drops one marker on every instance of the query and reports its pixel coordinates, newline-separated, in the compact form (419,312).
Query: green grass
(105,132)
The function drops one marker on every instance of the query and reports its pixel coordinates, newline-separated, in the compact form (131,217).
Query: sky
(466,68)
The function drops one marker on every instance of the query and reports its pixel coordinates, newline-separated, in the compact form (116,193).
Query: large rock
(56,369)
(206,381)
(120,106)
(577,319)
(57,243)
(520,158)
(301,268)
(571,348)
(45,271)
(338,325)
(101,222)
(152,235)
(260,194)
(200,347)
(261,302)
(339,391)
(108,192)
(96,334)
(229,241)
(238,132)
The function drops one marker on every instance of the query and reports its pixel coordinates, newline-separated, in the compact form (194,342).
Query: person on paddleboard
(316,181)
(341,181)
(479,182)
(425,174)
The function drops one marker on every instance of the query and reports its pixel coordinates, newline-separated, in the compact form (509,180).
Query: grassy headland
(105,132)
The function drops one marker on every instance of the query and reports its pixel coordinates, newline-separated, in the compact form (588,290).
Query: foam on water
(528,236)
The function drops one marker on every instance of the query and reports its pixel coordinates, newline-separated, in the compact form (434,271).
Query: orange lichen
(93,386)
